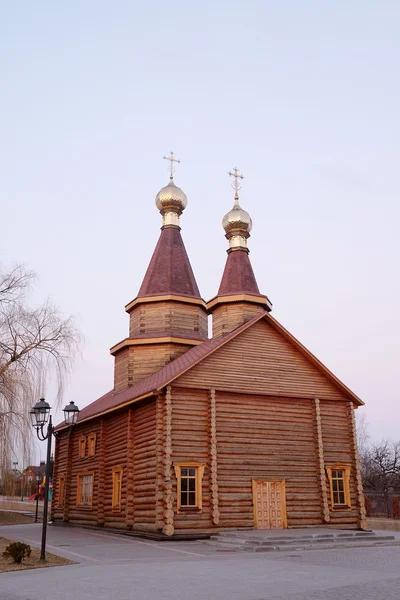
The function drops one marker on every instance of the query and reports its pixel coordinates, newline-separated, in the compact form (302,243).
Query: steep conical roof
(238,276)
(169,271)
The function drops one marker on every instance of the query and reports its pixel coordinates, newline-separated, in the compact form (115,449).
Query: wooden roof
(151,385)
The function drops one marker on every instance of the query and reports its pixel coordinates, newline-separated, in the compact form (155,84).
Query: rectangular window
(84,495)
(92,444)
(82,446)
(61,490)
(116,488)
(189,478)
(339,483)
(188,486)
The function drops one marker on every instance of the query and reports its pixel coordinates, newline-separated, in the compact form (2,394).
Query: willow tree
(36,344)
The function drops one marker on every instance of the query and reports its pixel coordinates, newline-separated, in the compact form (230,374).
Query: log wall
(338,448)
(134,363)
(262,361)
(237,437)
(169,316)
(144,478)
(83,516)
(122,372)
(115,456)
(270,438)
(120,435)
(227,317)
(60,467)
(191,442)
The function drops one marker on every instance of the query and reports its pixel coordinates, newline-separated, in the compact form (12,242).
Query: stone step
(296,540)
(323,541)
(336,546)
(303,535)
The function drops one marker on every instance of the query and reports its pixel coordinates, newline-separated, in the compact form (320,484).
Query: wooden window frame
(91,443)
(116,501)
(82,446)
(346,485)
(78,490)
(61,490)
(178,466)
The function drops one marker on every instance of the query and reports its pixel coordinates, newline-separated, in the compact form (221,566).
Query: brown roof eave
(63,425)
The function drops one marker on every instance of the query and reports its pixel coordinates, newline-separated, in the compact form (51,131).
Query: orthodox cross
(171,167)
(236,185)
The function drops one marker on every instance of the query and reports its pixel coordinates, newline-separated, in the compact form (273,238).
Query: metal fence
(380,504)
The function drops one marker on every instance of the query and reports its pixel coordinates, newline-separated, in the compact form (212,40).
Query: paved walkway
(122,568)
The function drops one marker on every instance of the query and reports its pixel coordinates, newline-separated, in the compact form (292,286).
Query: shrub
(18,551)
(396,508)
(368,504)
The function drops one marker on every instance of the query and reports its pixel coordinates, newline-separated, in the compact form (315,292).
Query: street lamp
(37,496)
(40,415)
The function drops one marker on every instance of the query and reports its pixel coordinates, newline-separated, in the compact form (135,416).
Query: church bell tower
(238,298)
(168,316)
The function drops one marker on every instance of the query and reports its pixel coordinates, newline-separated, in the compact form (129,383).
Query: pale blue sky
(302,96)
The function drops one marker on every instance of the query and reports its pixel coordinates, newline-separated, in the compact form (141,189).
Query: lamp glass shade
(42,412)
(32,416)
(71,412)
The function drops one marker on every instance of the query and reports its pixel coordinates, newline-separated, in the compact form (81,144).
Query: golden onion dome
(237,219)
(171,197)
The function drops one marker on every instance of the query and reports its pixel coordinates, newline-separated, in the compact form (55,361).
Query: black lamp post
(40,415)
(37,497)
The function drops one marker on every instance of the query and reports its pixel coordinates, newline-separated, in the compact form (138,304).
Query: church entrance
(269,504)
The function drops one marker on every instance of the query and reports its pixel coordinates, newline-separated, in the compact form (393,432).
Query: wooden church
(244,429)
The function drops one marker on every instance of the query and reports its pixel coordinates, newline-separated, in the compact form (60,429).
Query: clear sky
(302,96)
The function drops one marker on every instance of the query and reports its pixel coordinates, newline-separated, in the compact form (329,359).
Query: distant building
(31,472)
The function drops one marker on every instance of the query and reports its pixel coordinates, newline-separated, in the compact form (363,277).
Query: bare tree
(35,344)
(381,468)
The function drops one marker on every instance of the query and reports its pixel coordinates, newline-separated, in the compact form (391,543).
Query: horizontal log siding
(115,456)
(260,360)
(270,438)
(336,436)
(190,441)
(145,466)
(227,317)
(121,370)
(134,363)
(60,467)
(83,516)
(146,360)
(163,317)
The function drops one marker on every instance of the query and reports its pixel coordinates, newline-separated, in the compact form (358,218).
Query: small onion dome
(237,219)
(171,197)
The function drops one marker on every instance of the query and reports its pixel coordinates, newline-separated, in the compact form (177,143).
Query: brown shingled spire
(169,271)
(238,298)
(238,276)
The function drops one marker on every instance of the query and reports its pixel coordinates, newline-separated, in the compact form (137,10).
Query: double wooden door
(269,504)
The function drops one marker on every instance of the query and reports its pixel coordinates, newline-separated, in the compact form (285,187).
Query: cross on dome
(171,167)
(236,185)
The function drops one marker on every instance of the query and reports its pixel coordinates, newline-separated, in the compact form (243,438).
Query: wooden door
(269,504)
